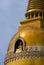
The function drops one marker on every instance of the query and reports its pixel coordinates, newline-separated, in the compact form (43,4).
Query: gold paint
(32,32)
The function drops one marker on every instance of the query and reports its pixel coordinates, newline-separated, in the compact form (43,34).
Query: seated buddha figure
(19,49)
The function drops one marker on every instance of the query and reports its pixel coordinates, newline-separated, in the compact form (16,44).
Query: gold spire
(27,46)
(35,7)
(35,4)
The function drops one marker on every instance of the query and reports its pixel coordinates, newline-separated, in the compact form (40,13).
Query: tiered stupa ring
(35,6)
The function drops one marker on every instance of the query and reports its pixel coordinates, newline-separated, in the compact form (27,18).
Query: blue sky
(11,12)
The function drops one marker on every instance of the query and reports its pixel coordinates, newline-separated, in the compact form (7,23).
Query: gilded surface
(31,36)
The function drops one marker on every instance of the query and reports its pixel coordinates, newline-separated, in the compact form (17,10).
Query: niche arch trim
(17,44)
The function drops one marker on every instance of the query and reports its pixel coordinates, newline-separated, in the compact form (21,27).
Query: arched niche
(19,45)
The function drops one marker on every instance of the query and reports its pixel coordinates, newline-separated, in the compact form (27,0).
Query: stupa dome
(23,46)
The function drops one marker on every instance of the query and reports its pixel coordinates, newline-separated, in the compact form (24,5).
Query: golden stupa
(27,45)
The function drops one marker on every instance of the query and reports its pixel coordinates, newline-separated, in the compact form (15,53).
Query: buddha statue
(19,48)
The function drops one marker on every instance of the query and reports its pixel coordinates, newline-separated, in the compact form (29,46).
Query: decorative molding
(15,56)
(35,48)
